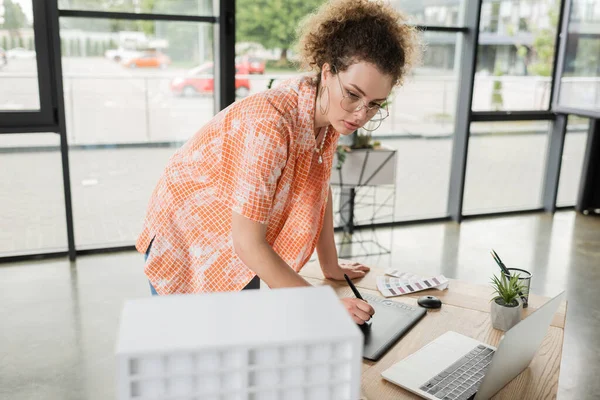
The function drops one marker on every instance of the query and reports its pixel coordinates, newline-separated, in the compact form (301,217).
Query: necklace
(319,149)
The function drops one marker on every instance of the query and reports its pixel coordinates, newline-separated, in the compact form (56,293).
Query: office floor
(59,320)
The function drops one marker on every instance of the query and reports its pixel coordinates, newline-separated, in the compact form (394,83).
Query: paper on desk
(404,283)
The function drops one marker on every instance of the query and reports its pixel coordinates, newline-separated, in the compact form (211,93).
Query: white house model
(288,344)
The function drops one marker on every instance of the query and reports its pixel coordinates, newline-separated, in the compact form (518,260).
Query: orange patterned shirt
(257,158)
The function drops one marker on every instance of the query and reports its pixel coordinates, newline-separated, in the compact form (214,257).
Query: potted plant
(506,305)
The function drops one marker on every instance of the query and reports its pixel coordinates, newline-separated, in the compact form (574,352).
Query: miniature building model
(292,344)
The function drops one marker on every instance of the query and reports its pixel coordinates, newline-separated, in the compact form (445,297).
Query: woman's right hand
(359,310)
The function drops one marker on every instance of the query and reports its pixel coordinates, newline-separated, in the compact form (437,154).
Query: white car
(121,54)
(20,52)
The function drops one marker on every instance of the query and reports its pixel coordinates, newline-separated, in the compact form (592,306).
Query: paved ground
(111,187)
(109,104)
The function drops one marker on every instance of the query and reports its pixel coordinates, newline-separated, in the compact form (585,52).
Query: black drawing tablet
(391,321)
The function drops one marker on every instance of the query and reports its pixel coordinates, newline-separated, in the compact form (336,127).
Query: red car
(200,80)
(148,59)
(254,65)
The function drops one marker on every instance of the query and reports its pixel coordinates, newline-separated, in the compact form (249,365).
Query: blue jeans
(253,284)
(152,290)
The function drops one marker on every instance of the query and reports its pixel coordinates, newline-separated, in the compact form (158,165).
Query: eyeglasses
(351,102)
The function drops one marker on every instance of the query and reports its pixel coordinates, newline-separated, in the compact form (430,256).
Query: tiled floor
(58,320)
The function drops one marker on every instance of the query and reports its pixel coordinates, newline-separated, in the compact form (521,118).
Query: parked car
(200,80)
(20,52)
(3,58)
(121,54)
(148,59)
(253,65)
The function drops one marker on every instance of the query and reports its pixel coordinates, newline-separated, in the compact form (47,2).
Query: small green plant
(361,140)
(497,98)
(507,290)
(341,152)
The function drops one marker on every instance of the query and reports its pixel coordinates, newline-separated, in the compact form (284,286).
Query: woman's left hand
(352,269)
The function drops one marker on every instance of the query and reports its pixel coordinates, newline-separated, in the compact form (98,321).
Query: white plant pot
(366,167)
(503,317)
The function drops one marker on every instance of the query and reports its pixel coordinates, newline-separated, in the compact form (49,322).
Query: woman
(248,196)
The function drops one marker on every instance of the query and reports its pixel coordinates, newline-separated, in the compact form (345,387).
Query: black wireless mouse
(429,302)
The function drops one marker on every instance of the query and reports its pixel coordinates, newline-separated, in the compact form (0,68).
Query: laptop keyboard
(461,380)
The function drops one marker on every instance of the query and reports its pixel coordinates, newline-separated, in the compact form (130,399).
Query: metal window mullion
(556,73)
(451,29)
(55,66)
(553,162)
(462,122)
(560,57)
(225,48)
(136,16)
(590,175)
(493,116)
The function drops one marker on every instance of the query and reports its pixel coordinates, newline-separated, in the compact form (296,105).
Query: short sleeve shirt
(257,158)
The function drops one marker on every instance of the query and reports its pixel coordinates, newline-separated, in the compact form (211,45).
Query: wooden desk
(466,310)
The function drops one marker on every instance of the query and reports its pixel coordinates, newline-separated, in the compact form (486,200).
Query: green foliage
(341,156)
(75,48)
(507,289)
(280,65)
(14,17)
(88,48)
(587,58)
(497,99)
(540,61)
(4,42)
(272,23)
(362,140)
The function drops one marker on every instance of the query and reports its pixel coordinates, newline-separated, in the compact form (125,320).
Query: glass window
(173,7)
(421,128)
(447,13)
(580,81)
(18,64)
(32,195)
(572,161)
(131,98)
(505,166)
(515,55)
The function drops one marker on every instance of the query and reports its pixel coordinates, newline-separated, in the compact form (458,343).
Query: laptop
(457,367)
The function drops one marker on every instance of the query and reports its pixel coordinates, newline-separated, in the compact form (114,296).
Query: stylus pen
(358,296)
(354,289)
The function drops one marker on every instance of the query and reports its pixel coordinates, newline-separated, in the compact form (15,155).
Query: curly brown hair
(343,32)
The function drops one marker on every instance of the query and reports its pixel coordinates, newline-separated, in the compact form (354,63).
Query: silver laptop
(457,367)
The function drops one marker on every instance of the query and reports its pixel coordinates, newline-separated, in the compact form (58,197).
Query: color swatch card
(392,286)
(405,276)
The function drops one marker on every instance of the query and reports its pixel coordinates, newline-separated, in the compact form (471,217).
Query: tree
(14,18)
(540,55)
(272,23)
